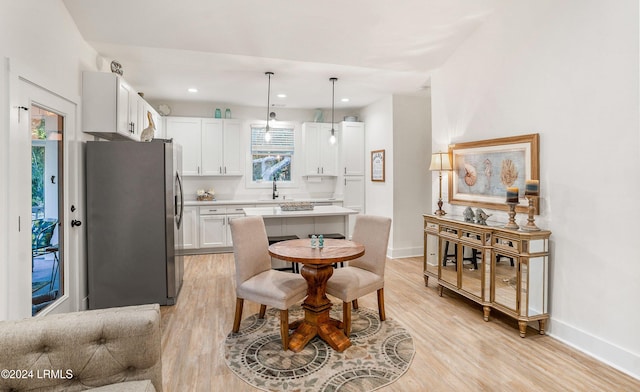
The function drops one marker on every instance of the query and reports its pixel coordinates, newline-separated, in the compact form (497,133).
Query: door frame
(25,89)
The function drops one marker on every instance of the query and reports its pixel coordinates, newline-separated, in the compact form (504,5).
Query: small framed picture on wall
(377,165)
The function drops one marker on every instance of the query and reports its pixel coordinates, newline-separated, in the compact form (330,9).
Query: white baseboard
(398,253)
(607,352)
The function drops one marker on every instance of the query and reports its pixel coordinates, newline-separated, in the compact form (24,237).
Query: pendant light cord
(332,139)
(333,100)
(268,97)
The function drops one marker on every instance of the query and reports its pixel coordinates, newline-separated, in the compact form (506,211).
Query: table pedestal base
(316,313)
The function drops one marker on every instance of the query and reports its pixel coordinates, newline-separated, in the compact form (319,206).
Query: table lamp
(440,161)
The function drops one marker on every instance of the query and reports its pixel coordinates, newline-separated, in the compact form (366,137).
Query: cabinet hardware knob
(75,223)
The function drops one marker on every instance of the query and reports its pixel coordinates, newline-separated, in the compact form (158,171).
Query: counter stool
(499,257)
(446,254)
(273,239)
(335,236)
(473,258)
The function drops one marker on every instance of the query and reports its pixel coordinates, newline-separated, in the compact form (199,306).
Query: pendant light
(332,138)
(267,134)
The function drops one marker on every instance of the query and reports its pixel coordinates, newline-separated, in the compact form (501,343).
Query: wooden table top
(300,251)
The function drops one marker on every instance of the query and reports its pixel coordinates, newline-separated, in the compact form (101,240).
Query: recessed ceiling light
(281,95)
(344,100)
(192,90)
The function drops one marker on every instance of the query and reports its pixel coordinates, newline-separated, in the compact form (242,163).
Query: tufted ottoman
(115,349)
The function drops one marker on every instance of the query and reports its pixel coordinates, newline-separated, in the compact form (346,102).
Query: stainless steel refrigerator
(134,222)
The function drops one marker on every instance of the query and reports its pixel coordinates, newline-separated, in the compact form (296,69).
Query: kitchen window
(272,160)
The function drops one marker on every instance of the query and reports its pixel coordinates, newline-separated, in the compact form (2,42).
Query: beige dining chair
(256,281)
(365,274)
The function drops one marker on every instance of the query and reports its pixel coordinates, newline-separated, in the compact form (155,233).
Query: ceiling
(224,47)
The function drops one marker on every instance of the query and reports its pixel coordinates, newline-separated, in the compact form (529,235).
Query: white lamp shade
(440,161)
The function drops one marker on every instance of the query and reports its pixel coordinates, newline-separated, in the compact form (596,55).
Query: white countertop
(276,212)
(257,202)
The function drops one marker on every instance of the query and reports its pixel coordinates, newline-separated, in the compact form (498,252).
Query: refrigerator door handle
(179,215)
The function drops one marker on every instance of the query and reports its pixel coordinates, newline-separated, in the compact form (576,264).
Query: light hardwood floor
(455,349)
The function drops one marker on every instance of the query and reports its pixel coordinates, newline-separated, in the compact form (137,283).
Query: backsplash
(234,188)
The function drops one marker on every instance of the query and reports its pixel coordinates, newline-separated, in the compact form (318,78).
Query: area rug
(380,353)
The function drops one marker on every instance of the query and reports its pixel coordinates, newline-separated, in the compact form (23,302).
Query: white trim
(615,356)
(4,194)
(399,253)
(22,85)
(295,160)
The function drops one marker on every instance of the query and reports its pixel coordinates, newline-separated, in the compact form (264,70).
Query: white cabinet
(215,231)
(190,227)
(231,217)
(221,153)
(210,147)
(353,197)
(109,106)
(353,193)
(232,148)
(321,157)
(352,167)
(186,132)
(143,108)
(352,158)
(212,226)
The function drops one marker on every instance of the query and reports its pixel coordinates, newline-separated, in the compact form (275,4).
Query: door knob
(75,223)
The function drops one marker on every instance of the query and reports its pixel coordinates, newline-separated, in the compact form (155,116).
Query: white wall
(568,70)
(411,177)
(400,125)
(378,118)
(4,196)
(41,41)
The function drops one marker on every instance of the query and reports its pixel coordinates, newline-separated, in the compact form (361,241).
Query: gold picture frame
(377,165)
(482,171)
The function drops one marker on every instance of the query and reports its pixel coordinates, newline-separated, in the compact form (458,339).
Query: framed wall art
(483,170)
(377,165)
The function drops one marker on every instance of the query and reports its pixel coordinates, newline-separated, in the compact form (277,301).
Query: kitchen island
(319,220)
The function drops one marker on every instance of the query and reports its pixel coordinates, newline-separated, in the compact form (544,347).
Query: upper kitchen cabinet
(141,110)
(186,131)
(210,147)
(110,107)
(321,157)
(221,139)
(352,159)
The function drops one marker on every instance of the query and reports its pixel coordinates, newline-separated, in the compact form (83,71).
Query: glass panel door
(46,200)
(449,268)
(472,267)
(432,254)
(506,283)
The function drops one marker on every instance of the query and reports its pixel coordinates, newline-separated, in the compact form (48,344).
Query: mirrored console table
(500,269)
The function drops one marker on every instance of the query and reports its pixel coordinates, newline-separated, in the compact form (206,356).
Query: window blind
(281,140)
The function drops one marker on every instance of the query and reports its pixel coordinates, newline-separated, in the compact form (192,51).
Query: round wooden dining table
(317,269)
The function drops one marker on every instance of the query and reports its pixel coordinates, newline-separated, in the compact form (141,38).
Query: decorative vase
(218,113)
(227,113)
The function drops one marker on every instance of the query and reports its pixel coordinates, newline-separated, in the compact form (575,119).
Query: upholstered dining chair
(256,281)
(365,274)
